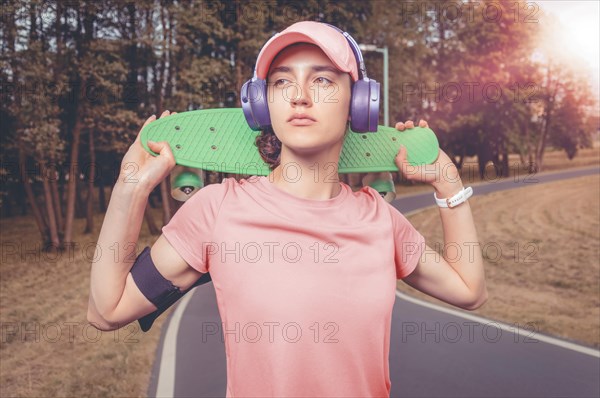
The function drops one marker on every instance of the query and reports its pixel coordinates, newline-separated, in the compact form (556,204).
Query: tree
(564,111)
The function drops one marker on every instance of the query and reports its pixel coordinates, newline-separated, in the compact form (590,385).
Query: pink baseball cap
(332,42)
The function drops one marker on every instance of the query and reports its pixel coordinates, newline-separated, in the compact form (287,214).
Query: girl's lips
(301,122)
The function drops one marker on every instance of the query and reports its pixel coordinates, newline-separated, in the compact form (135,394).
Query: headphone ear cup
(364,107)
(374,101)
(253,97)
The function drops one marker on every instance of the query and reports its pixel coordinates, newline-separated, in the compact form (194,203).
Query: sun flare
(577,37)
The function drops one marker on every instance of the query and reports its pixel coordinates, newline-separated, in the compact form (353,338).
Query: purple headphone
(364,104)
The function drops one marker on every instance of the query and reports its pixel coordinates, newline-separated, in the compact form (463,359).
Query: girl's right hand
(146,170)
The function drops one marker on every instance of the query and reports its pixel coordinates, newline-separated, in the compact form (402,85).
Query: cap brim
(281,41)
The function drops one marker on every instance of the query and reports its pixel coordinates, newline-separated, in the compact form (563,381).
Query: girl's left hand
(385,175)
(442,174)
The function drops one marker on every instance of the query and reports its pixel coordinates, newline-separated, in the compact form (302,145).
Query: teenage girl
(304,269)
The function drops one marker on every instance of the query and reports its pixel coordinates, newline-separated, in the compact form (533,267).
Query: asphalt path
(434,351)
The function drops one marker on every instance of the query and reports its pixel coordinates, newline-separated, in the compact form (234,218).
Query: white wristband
(457,199)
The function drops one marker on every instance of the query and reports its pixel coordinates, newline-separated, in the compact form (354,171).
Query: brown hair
(269,147)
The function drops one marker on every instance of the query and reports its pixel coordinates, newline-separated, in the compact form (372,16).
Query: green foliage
(111,64)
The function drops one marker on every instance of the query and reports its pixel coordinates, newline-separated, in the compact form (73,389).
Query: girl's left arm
(458,276)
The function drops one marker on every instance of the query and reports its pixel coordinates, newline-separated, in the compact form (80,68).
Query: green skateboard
(221,140)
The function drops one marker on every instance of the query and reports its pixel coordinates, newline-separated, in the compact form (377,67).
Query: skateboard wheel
(185,182)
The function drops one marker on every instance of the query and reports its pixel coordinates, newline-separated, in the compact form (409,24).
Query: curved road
(434,351)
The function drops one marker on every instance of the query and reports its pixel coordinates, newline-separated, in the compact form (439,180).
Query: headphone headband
(364,106)
(355,49)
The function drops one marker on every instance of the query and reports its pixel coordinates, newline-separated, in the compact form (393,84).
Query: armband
(158,290)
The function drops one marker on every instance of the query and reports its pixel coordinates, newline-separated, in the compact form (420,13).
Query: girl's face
(308,98)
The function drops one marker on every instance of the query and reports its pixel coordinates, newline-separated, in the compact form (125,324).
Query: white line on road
(521,332)
(166,373)
(165,386)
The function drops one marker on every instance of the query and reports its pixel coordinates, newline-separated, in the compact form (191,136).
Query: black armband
(158,290)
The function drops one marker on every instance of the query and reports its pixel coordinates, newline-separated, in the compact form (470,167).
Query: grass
(48,349)
(541,254)
(553,161)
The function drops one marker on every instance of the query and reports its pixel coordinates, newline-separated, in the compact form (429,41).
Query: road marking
(546,339)
(501,180)
(420,209)
(165,387)
(166,373)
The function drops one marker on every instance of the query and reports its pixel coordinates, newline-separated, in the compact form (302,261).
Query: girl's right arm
(114,299)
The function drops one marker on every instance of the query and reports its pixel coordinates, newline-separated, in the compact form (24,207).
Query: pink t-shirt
(305,288)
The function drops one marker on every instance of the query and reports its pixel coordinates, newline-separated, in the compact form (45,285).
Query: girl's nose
(302,95)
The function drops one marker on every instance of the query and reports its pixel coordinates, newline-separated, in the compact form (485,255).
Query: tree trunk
(33,33)
(545,129)
(54,239)
(89,228)
(497,165)
(23,194)
(73,177)
(461,158)
(60,222)
(171,56)
(101,196)
(505,164)
(541,144)
(539,153)
(483,157)
(7,206)
(531,167)
(37,214)
(132,59)
(79,201)
(82,42)
(11,34)
(53,205)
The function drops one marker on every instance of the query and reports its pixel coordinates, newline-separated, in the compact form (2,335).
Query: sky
(581,31)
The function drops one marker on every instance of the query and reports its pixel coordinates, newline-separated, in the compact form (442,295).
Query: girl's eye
(323,80)
(318,80)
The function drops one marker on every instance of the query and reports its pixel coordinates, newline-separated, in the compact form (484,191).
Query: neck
(309,175)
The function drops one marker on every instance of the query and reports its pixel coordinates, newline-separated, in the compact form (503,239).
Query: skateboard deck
(221,140)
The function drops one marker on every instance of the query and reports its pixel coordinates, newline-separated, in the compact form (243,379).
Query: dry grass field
(553,161)
(541,253)
(48,349)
